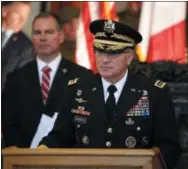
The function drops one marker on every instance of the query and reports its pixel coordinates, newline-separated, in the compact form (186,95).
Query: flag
(162,25)
(90,11)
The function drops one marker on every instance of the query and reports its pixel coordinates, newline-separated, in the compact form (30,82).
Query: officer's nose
(106,58)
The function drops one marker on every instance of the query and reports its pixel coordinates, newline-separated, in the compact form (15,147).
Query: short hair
(47,15)
(9,3)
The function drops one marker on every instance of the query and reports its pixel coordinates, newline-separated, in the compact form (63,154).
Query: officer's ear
(130,53)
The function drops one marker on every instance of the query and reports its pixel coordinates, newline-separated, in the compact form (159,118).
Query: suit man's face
(112,67)
(46,37)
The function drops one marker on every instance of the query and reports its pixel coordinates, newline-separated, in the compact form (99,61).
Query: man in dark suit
(16,49)
(117,108)
(40,88)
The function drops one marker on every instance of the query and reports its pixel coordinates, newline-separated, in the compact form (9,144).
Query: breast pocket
(138,124)
(81,129)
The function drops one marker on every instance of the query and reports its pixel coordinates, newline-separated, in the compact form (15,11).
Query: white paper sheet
(45,126)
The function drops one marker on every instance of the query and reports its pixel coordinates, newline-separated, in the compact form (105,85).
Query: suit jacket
(17,52)
(22,105)
(144,118)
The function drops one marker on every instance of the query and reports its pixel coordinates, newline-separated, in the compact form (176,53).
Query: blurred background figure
(130,13)
(16,49)
(69,17)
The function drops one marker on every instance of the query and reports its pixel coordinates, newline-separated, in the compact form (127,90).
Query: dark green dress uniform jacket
(144,118)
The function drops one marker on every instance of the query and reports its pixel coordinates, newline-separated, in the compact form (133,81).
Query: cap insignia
(109,26)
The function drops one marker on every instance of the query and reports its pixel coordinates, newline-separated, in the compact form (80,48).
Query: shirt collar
(8,33)
(119,85)
(52,65)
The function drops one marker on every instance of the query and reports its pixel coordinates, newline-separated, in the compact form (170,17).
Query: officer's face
(46,37)
(112,67)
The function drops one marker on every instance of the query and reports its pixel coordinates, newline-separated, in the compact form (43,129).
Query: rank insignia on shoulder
(71,82)
(160,84)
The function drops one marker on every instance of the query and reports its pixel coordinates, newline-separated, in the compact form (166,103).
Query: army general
(117,108)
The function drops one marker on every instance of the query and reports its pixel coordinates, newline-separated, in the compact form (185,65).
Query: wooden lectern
(81,159)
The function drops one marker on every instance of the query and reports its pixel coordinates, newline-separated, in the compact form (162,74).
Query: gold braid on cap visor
(111,45)
(116,36)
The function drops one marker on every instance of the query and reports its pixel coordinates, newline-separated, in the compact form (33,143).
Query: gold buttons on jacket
(108,144)
(110,130)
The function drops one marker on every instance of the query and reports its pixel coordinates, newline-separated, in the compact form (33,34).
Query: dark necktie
(111,102)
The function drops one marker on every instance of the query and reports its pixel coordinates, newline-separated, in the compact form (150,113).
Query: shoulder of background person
(22,38)
(75,67)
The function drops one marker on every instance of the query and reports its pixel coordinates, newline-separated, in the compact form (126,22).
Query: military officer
(117,108)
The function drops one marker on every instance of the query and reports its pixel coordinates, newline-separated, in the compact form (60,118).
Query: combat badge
(160,84)
(130,142)
(71,82)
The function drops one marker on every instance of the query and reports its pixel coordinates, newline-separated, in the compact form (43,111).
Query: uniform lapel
(58,87)
(11,43)
(97,99)
(128,98)
(34,88)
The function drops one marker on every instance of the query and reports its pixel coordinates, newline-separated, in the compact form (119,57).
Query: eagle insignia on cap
(109,26)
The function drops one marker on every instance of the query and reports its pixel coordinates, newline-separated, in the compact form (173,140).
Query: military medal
(130,142)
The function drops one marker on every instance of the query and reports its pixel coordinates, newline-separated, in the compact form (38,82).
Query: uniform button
(138,128)
(108,144)
(78,126)
(110,130)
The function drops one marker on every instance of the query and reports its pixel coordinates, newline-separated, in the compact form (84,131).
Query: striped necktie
(45,85)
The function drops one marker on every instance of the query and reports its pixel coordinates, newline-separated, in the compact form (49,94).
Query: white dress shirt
(8,34)
(53,65)
(119,85)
